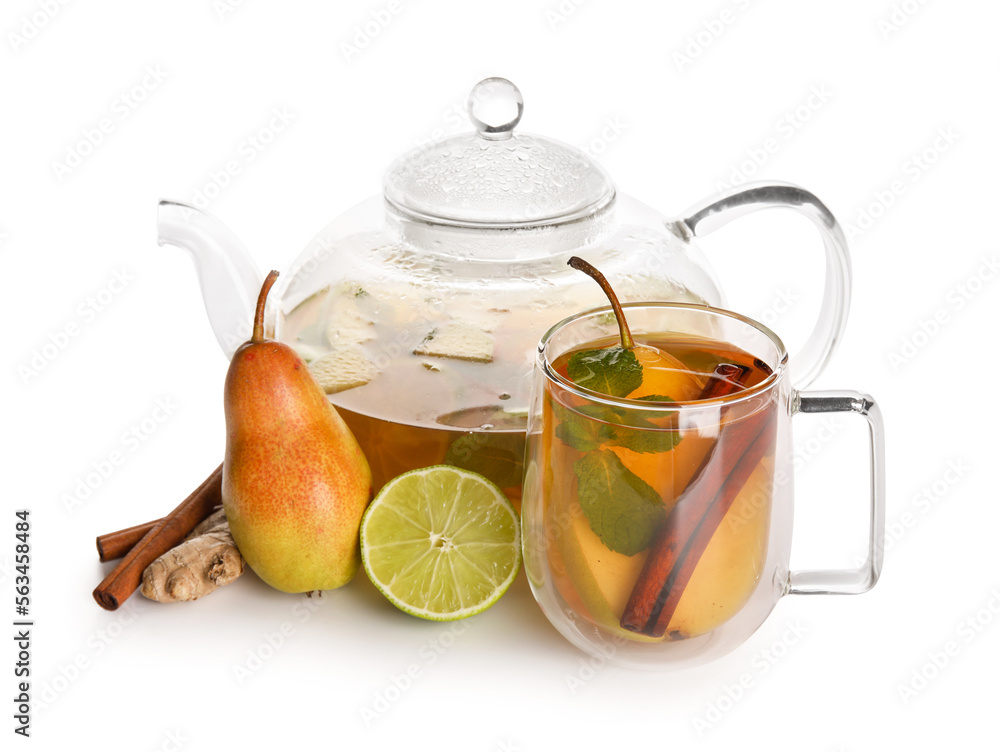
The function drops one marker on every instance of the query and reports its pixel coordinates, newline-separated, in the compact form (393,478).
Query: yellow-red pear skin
(294,482)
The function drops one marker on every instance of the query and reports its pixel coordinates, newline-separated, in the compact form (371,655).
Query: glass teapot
(419,311)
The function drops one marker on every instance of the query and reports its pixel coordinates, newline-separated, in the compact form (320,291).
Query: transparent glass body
(659,533)
(419,309)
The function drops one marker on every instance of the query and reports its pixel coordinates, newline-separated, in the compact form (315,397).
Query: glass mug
(657,528)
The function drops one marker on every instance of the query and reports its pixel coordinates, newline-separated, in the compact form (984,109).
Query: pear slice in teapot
(460,340)
(344,367)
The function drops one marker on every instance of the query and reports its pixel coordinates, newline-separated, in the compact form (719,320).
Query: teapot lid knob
(495,107)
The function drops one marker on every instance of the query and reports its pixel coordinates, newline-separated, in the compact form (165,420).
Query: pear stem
(258,319)
(578,263)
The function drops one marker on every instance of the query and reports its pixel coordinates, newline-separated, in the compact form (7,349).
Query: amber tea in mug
(657,520)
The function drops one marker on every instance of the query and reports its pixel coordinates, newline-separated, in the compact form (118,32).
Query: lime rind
(441,543)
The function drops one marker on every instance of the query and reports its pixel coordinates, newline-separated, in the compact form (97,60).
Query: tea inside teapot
(428,357)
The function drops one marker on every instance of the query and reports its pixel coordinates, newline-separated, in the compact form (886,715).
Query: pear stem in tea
(258,319)
(578,263)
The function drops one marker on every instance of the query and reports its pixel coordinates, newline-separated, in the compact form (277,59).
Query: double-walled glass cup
(657,530)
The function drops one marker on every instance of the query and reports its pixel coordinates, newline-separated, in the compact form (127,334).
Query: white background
(856,96)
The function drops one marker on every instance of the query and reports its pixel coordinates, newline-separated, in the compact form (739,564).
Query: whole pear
(294,482)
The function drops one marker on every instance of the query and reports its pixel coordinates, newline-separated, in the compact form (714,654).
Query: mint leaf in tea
(614,371)
(622,509)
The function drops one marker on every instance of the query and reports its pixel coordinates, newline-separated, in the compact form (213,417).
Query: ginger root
(205,560)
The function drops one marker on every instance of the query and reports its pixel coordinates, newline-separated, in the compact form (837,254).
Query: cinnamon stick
(111,546)
(731,378)
(688,529)
(126,577)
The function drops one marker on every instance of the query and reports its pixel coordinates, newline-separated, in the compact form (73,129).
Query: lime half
(441,543)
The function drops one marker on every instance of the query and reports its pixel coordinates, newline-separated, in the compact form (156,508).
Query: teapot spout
(229,279)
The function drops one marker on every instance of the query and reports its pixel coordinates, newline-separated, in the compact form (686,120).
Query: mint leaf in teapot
(614,371)
(622,509)
(498,456)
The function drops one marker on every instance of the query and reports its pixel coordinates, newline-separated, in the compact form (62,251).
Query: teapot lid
(495,178)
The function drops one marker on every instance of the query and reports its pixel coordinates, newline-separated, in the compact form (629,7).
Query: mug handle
(718,211)
(863,578)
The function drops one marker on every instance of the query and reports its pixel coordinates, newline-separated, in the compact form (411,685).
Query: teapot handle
(712,214)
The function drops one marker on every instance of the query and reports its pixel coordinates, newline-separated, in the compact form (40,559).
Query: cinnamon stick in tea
(688,529)
(731,379)
(111,546)
(126,577)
